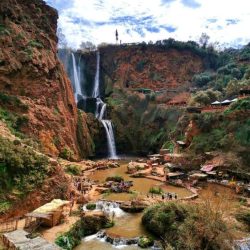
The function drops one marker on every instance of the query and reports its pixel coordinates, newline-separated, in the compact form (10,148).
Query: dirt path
(51,234)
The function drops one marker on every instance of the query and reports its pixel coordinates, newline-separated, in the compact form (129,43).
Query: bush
(244,217)
(91,206)
(73,169)
(116,178)
(66,154)
(202,79)
(155,190)
(14,121)
(242,105)
(187,226)
(21,169)
(86,226)
(36,44)
(12,101)
(145,242)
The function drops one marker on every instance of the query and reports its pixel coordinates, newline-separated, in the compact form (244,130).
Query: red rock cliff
(30,70)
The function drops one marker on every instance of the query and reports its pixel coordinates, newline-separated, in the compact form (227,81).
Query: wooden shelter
(49,214)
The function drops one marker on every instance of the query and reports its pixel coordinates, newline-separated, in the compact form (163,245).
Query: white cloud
(138,20)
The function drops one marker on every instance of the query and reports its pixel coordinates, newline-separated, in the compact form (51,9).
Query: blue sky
(225,21)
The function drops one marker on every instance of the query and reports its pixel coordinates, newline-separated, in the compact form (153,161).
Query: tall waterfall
(101,110)
(96,90)
(77,76)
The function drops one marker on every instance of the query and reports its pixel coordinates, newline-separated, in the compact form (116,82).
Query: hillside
(36,96)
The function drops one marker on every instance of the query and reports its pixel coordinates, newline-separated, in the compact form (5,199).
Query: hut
(174,176)
(49,214)
(216,103)
(198,176)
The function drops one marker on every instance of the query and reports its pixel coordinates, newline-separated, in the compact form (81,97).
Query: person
(175,196)
(162,196)
(170,196)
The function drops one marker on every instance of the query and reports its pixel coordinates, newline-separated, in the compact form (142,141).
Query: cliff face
(30,71)
(142,121)
(150,67)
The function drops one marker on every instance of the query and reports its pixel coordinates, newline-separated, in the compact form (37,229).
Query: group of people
(169,196)
(166,196)
(81,184)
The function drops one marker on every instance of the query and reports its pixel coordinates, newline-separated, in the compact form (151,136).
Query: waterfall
(110,138)
(108,207)
(100,111)
(80,94)
(76,77)
(96,90)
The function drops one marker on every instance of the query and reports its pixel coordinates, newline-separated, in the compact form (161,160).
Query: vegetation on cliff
(22,170)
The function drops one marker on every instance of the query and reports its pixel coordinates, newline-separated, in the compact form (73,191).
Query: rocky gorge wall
(137,83)
(31,72)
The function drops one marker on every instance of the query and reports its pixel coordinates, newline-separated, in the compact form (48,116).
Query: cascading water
(101,110)
(96,90)
(84,97)
(77,76)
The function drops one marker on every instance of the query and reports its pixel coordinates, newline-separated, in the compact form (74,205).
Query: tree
(203,40)
(116,36)
(87,46)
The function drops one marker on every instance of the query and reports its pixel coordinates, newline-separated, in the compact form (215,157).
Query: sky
(225,21)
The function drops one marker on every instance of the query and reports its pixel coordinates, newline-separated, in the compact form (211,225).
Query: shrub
(244,216)
(73,169)
(36,44)
(21,169)
(116,178)
(91,206)
(145,242)
(187,226)
(12,101)
(140,66)
(202,79)
(155,190)
(66,154)
(86,226)
(13,121)
(4,30)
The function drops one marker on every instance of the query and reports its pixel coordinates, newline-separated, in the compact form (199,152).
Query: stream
(127,225)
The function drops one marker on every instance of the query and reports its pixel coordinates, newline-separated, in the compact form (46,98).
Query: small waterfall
(108,207)
(110,137)
(100,112)
(103,110)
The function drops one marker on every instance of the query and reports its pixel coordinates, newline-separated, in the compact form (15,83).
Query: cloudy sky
(225,21)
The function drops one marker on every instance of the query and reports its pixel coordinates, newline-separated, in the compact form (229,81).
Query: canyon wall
(31,72)
(139,82)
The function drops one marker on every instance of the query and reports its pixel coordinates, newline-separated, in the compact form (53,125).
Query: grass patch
(73,169)
(116,178)
(155,190)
